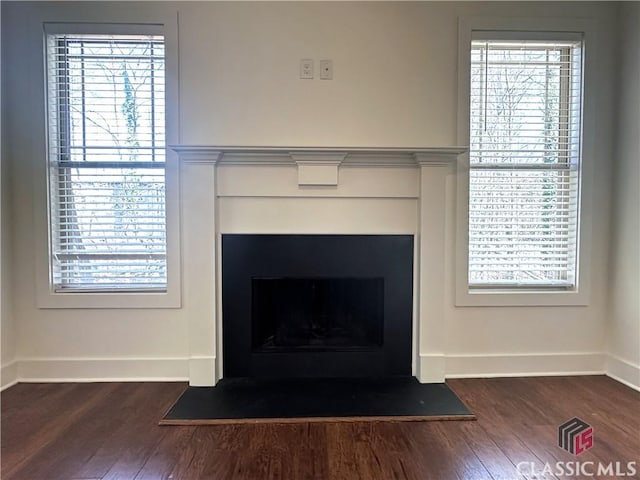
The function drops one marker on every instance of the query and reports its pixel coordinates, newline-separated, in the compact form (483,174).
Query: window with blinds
(106,127)
(525,124)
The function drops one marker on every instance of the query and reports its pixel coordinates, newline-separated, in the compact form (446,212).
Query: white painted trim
(437,367)
(525,365)
(246,190)
(349,156)
(130,369)
(288,150)
(431,368)
(581,373)
(8,375)
(318,168)
(210,157)
(591,89)
(202,371)
(281,181)
(102,17)
(317,158)
(9,385)
(432,227)
(623,371)
(436,158)
(199,243)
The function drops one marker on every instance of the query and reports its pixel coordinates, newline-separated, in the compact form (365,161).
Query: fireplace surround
(313,191)
(317,305)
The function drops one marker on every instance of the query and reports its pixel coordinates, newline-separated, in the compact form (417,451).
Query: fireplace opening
(301,306)
(317,314)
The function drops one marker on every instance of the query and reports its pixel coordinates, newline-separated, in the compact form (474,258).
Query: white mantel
(233,189)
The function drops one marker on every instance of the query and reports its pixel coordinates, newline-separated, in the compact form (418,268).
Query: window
(106,157)
(524,158)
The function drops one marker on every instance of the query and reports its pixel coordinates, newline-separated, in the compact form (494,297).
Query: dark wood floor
(110,431)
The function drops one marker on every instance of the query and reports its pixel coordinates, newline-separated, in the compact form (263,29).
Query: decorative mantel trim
(318,168)
(416,182)
(350,156)
(199,156)
(435,159)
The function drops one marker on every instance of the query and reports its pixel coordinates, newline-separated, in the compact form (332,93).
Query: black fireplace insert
(316,314)
(317,305)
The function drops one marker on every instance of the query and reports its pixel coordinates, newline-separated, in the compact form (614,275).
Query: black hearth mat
(248,400)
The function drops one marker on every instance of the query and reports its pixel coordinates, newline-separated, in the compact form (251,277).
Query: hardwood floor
(110,431)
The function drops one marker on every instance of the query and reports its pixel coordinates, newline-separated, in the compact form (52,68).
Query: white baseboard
(8,375)
(524,365)
(102,369)
(431,368)
(202,371)
(623,371)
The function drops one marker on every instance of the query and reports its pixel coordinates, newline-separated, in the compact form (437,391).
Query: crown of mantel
(353,156)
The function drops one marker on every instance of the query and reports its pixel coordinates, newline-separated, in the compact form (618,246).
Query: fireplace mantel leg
(199,236)
(431,338)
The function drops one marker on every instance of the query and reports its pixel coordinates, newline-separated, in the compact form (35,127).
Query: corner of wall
(623,332)
(623,371)
(8,371)
(8,364)
(8,375)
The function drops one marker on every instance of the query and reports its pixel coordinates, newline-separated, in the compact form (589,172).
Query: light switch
(306,69)
(326,70)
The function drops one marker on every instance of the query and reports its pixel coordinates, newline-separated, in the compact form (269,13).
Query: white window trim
(526,297)
(105,22)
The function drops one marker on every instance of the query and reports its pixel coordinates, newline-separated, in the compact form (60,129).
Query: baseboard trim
(202,371)
(623,371)
(431,368)
(524,365)
(31,370)
(8,375)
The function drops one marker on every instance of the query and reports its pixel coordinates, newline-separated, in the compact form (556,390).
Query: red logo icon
(575,436)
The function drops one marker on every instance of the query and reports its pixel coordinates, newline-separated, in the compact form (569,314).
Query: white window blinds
(106,126)
(525,121)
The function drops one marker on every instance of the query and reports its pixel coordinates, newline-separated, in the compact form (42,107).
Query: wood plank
(166,453)
(34,460)
(76,442)
(101,431)
(125,450)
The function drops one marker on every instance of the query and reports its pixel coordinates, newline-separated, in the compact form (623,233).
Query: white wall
(70,343)
(395,76)
(624,316)
(8,370)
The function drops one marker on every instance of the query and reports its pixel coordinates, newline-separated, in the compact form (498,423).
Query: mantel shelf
(352,156)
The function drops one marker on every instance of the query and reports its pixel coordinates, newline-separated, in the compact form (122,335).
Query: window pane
(519,226)
(106,130)
(524,147)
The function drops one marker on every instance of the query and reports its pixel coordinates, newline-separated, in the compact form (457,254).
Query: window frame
(46,294)
(524,29)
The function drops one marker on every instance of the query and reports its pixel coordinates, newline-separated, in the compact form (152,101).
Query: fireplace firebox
(317,305)
(321,314)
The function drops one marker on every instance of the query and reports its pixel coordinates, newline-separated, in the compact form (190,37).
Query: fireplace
(317,305)
(316,314)
(341,191)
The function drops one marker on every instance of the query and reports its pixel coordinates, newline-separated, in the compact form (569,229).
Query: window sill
(520,298)
(115,300)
